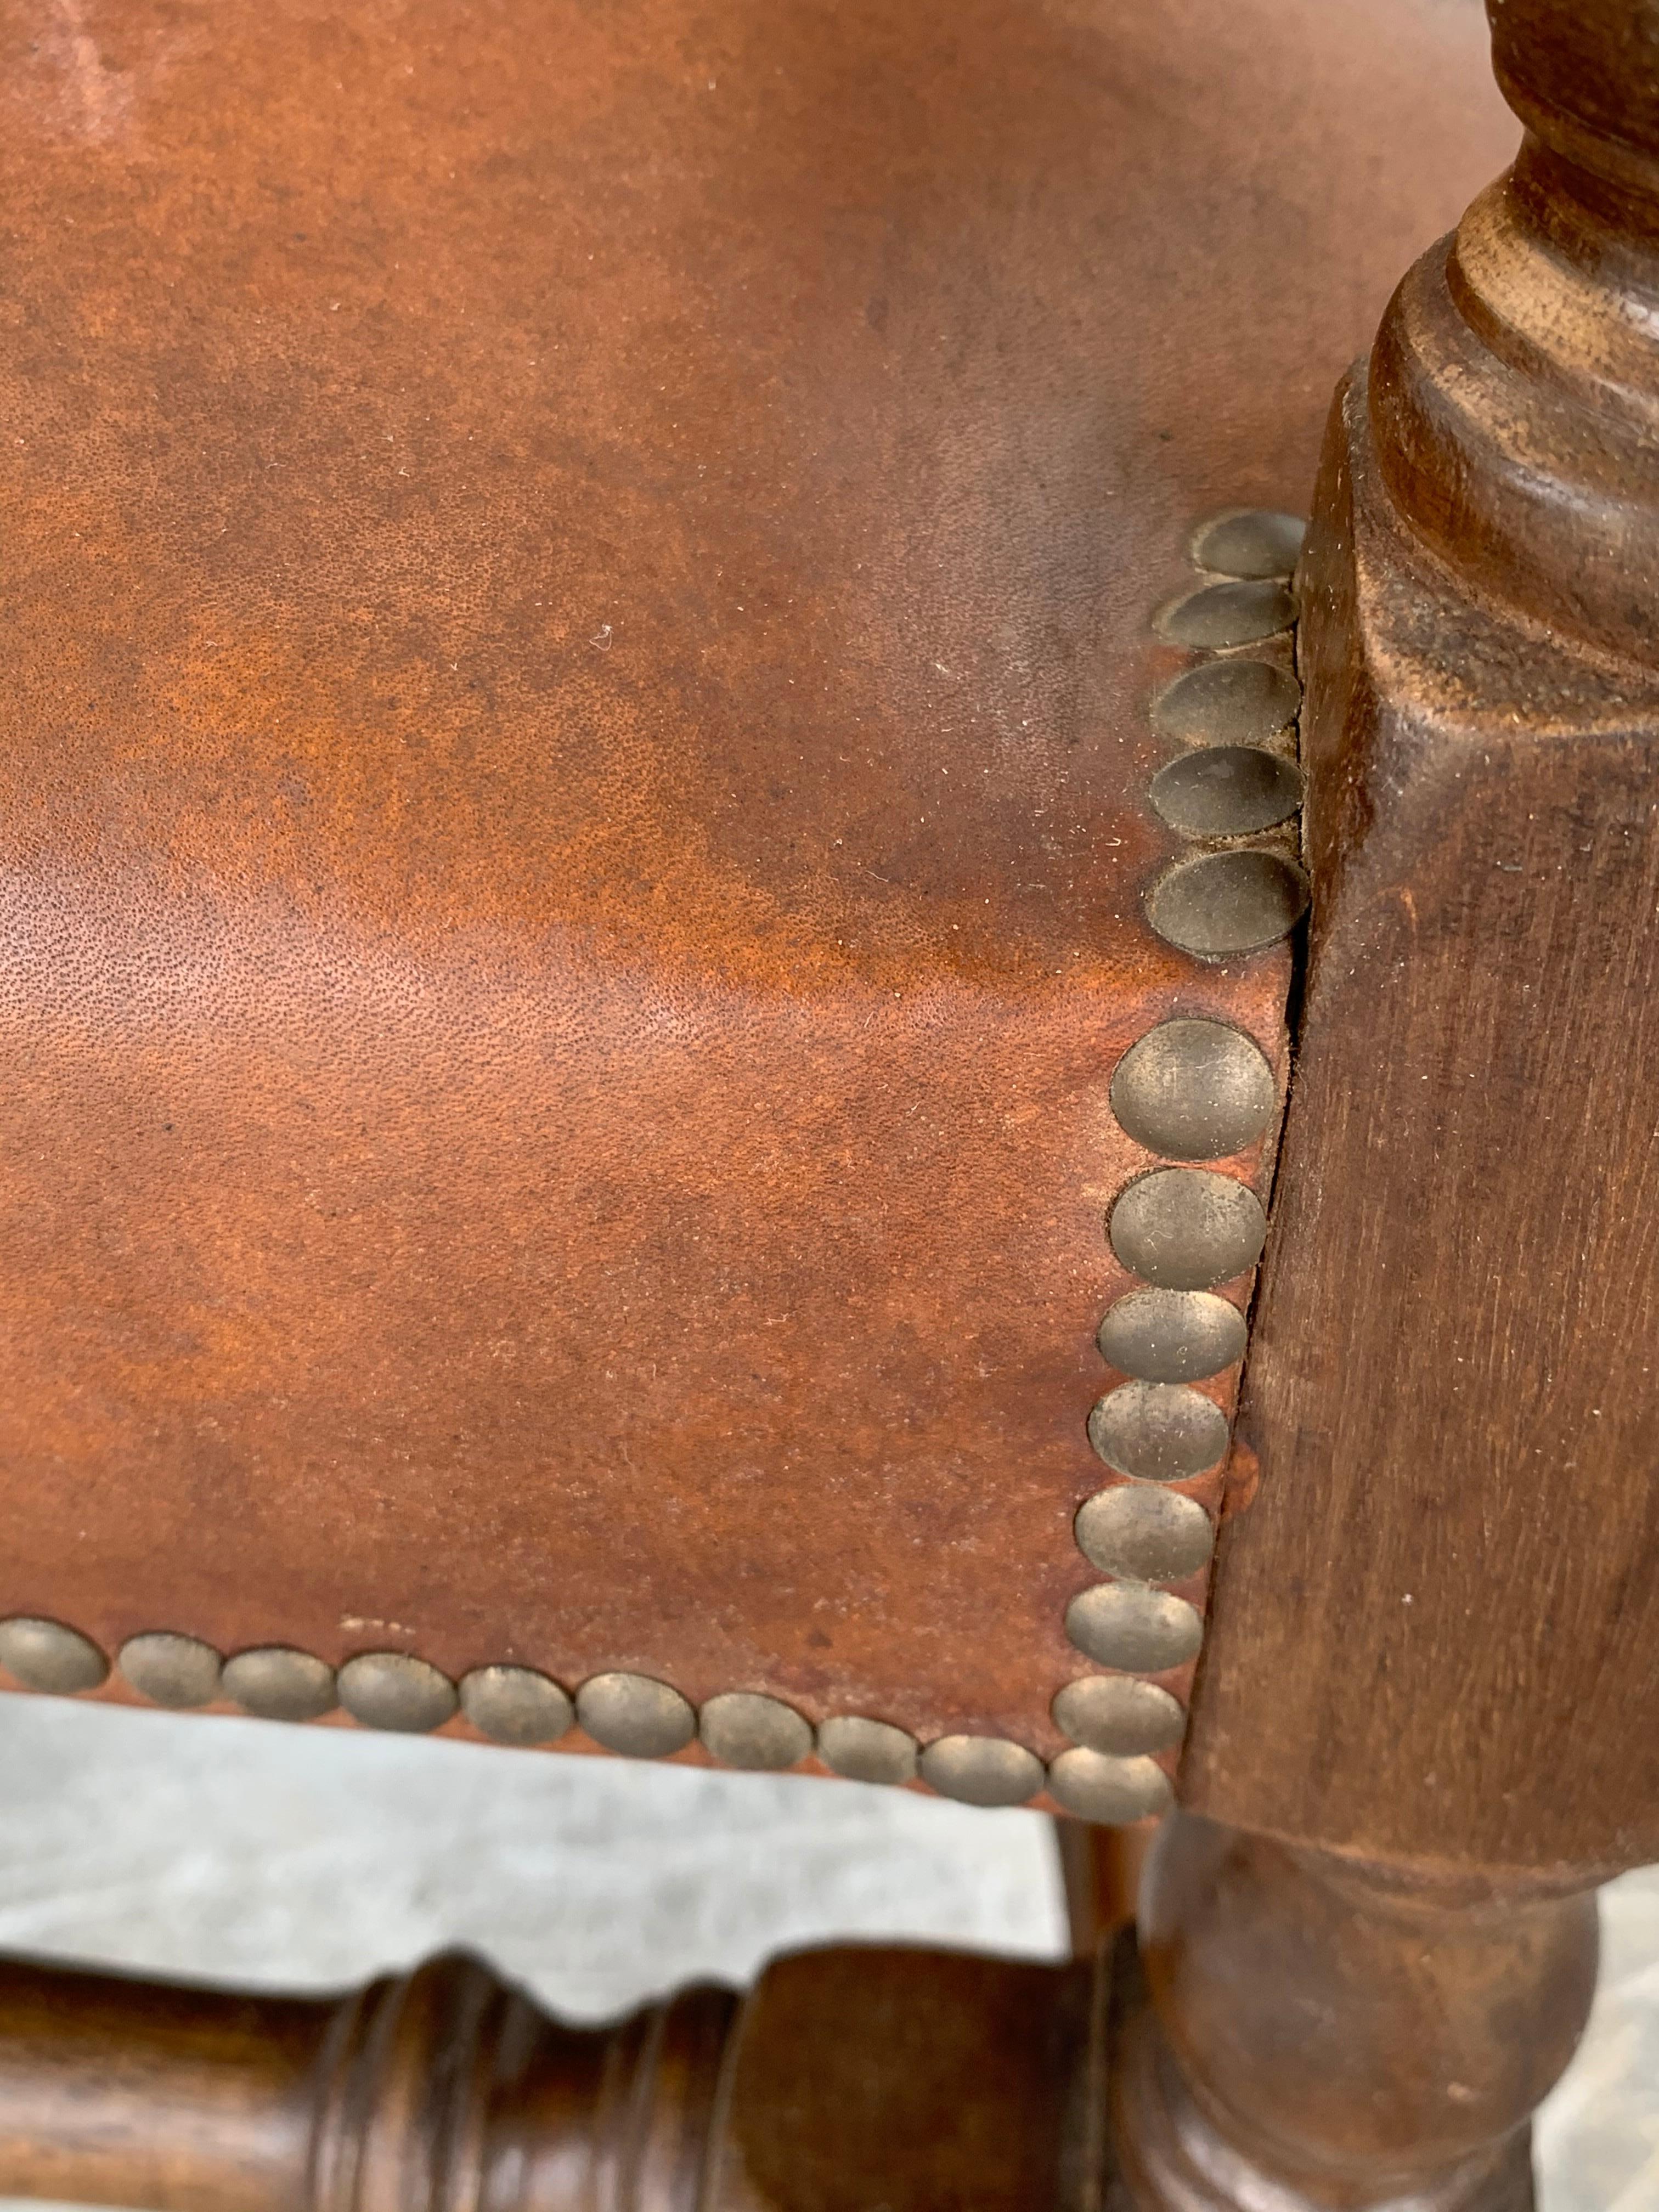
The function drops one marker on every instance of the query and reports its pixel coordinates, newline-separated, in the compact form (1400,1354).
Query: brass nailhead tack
(276,1683)
(867,1751)
(1119,1715)
(1254,541)
(1186,1229)
(1227,702)
(743,1728)
(982,1770)
(178,1671)
(1113,1791)
(1136,1630)
(1218,616)
(635,1715)
(392,1690)
(515,1704)
(1224,903)
(1172,1336)
(1144,1535)
(43,1655)
(1227,790)
(1158,1431)
(1194,1091)
(1190,1090)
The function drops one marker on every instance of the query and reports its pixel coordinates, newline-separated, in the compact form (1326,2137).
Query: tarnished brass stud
(43,1655)
(1254,541)
(178,1671)
(515,1704)
(1172,1336)
(1144,1535)
(276,1683)
(1158,1431)
(1137,1630)
(1218,616)
(1227,702)
(982,1770)
(1186,1229)
(1227,790)
(867,1751)
(635,1715)
(1226,903)
(394,1690)
(1194,1091)
(1112,1792)
(1119,1715)
(742,1729)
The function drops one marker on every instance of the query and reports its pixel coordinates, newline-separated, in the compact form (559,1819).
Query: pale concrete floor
(235,1851)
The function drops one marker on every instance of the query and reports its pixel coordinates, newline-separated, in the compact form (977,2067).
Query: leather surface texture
(577,586)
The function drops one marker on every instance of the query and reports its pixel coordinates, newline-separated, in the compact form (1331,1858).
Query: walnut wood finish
(1434,1633)
(1100,1870)
(442,2088)
(1320,2034)
(1325,2033)
(912,2080)
(846,2078)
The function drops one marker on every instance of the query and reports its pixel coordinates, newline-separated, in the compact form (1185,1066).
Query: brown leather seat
(579,597)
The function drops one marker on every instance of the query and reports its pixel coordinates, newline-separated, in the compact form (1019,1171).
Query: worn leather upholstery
(576,584)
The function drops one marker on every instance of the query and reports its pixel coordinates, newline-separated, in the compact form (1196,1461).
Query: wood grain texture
(903,2077)
(1434,1633)
(1307,2030)
(856,2077)
(909,2079)
(1101,1870)
(439,2089)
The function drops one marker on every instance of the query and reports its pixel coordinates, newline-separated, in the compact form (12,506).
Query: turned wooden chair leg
(442,2088)
(845,2079)
(1100,1870)
(1312,2031)
(1300,2033)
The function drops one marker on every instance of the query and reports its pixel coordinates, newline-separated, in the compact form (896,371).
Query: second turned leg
(1314,2032)
(1101,1870)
